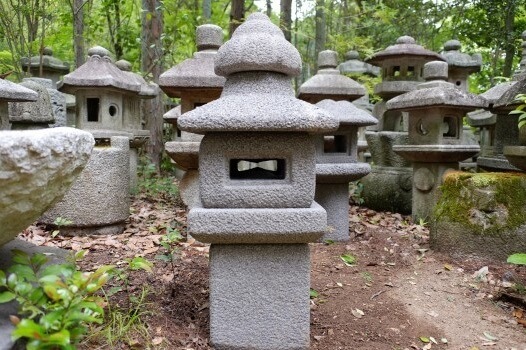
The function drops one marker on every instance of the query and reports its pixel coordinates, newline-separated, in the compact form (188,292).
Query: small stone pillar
(32,115)
(337,165)
(336,153)
(388,186)
(506,133)
(436,109)
(195,83)
(257,183)
(52,67)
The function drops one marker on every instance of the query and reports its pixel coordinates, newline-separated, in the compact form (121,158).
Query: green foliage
(520,110)
(348,259)
(517,259)
(57,302)
(155,185)
(356,190)
(169,243)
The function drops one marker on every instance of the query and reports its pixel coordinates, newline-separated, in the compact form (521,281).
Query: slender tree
(237,15)
(285,18)
(77,8)
(321,36)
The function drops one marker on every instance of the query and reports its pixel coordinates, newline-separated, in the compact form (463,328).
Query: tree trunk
(207,11)
(509,45)
(320,28)
(237,14)
(269,8)
(78,32)
(285,18)
(151,66)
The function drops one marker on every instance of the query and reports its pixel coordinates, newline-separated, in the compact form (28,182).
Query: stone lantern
(353,65)
(337,164)
(388,186)
(460,65)
(257,183)
(32,115)
(336,153)
(195,83)
(52,67)
(436,110)
(98,202)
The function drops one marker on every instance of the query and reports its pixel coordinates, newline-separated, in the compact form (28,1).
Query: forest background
(155,35)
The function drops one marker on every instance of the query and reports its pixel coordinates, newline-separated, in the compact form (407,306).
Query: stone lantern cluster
(436,110)
(195,83)
(107,106)
(336,153)
(388,186)
(257,183)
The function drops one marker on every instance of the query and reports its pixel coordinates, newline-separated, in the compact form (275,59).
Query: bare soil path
(397,295)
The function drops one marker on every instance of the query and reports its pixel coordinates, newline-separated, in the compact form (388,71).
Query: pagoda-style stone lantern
(32,115)
(257,182)
(37,167)
(195,83)
(99,200)
(436,110)
(388,186)
(460,65)
(336,153)
(52,67)
(337,164)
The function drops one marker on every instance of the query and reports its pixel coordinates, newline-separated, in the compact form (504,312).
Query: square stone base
(259,296)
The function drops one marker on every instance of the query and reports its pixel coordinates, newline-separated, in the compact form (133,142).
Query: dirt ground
(398,294)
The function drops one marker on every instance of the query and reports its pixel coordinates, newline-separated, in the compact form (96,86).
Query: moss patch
(487,203)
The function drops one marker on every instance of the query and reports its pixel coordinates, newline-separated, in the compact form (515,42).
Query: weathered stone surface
(481,214)
(37,113)
(36,169)
(334,198)
(148,90)
(11,92)
(353,65)
(219,190)
(258,225)
(340,172)
(405,47)
(270,310)
(99,201)
(57,99)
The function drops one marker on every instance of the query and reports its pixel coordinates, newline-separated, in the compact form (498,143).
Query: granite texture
(258,225)
(334,198)
(405,46)
(36,170)
(347,113)
(460,60)
(99,201)
(340,173)
(38,112)
(184,154)
(259,297)
(328,83)
(57,99)
(258,45)
(218,190)
(148,90)
(353,65)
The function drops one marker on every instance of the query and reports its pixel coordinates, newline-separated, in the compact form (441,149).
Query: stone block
(257,225)
(99,201)
(259,297)
(224,185)
(334,198)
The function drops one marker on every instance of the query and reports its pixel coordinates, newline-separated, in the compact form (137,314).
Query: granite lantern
(50,66)
(256,185)
(98,202)
(337,164)
(195,83)
(388,186)
(336,153)
(436,110)
(460,65)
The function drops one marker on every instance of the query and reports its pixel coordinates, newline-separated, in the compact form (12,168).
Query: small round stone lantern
(436,109)
(52,67)
(195,83)
(257,183)
(388,186)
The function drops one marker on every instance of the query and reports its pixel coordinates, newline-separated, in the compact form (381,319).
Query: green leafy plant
(517,259)
(169,243)
(155,185)
(60,222)
(123,275)
(348,259)
(356,192)
(57,301)
(520,110)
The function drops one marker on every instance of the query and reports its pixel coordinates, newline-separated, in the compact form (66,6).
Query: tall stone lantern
(388,186)
(336,153)
(436,110)
(195,83)
(257,182)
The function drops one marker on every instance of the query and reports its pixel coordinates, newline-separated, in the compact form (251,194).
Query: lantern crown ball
(327,59)
(435,70)
(208,37)
(258,45)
